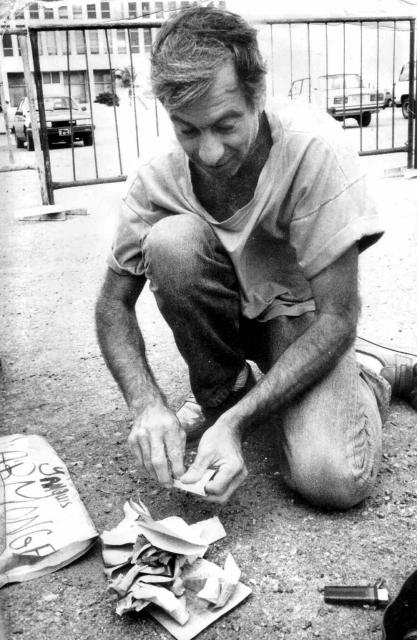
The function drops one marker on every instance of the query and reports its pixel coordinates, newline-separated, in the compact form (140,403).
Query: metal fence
(296,50)
(373,47)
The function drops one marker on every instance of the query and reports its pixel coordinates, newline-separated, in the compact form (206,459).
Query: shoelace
(383,346)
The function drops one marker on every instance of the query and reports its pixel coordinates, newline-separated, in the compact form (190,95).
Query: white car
(58,121)
(342,95)
(401,89)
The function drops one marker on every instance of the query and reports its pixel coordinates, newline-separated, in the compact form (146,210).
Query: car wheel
(406,108)
(19,143)
(88,139)
(364,120)
(29,141)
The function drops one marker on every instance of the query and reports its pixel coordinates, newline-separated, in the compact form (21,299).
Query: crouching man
(248,227)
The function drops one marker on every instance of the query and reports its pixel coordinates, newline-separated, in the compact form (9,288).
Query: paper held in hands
(196,487)
(43,523)
(158,565)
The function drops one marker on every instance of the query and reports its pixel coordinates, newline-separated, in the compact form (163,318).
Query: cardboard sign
(43,523)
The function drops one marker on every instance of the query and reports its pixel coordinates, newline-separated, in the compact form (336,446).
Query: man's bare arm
(121,340)
(315,352)
(302,364)
(156,438)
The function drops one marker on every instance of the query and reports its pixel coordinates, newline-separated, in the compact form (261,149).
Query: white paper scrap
(202,614)
(198,488)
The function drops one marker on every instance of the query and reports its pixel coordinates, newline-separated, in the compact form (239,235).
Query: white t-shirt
(310,205)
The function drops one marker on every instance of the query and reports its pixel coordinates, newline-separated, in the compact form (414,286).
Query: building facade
(76,56)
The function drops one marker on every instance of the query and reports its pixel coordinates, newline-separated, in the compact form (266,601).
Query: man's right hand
(158,442)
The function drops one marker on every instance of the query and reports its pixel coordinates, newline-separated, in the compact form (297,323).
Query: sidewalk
(56,384)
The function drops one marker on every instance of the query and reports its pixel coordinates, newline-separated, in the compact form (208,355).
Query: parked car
(401,89)
(388,100)
(342,95)
(58,114)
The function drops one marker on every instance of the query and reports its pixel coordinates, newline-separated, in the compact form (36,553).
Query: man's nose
(211,150)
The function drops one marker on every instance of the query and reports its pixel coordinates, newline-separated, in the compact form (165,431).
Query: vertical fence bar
(377,85)
(106,35)
(272,60)
(33,35)
(132,86)
(155,100)
(291,61)
(90,101)
(327,65)
(410,95)
(344,74)
(46,191)
(393,84)
(361,89)
(413,114)
(70,105)
(309,61)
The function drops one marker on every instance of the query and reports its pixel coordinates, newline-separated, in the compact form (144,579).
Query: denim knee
(327,482)
(173,246)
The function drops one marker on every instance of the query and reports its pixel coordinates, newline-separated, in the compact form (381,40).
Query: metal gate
(112,58)
(354,48)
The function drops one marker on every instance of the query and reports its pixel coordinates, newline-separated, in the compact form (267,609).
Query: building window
(40,43)
(134,41)
(17,88)
(159,9)
(146,12)
(34,11)
(91,11)
(78,83)
(77,12)
(51,48)
(102,81)
(7,45)
(19,15)
(48,13)
(121,41)
(50,77)
(147,38)
(93,35)
(79,42)
(64,42)
(105,9)
(63,13)
(185,4)
(172,6)
(132,9)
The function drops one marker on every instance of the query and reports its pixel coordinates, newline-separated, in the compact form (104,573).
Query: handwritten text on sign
(39,497)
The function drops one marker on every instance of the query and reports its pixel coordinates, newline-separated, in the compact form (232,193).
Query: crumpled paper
(159,563)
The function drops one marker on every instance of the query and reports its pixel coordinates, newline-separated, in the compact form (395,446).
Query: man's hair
(192,46)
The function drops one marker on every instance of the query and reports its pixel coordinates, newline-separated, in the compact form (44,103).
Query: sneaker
(195,420)
(398,368)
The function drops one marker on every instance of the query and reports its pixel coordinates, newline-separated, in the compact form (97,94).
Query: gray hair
(192,46)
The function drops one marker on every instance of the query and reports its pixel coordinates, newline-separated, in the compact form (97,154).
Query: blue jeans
(329,438)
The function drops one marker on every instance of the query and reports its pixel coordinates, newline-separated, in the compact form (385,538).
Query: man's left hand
(219,449)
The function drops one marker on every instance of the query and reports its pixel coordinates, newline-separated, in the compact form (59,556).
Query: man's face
(218,130)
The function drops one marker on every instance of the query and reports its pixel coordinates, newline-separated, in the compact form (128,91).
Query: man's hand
(158,442)
(220,449)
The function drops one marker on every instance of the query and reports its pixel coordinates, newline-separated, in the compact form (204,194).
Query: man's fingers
(141,451)
(176,457)
(224,483)
(196,471)
(160,462)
